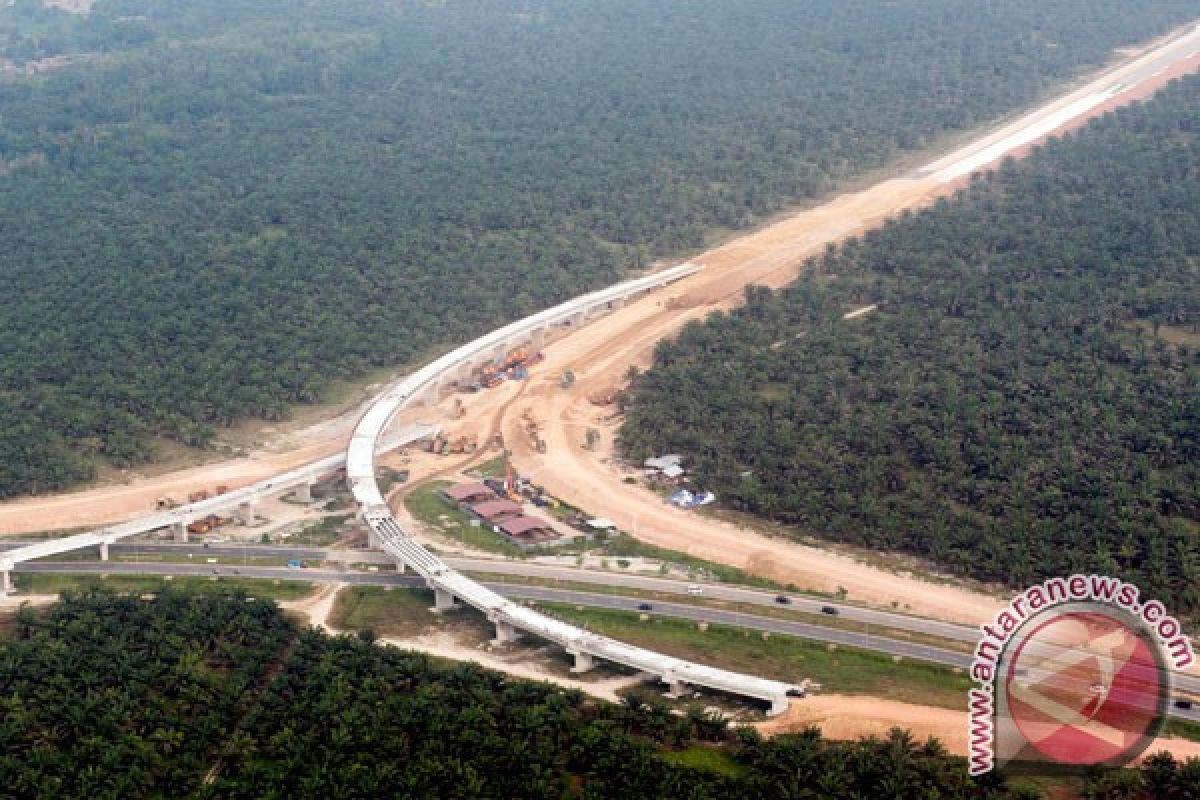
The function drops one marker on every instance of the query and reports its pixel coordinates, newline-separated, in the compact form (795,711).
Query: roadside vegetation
(218,209)
(1013,409)
(841,670)
(194,694)
(54,583)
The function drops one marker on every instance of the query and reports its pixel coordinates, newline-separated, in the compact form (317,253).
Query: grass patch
(53,583)
(400,612)
(322,534)
(431,509)
(624,545)
(840,670)
(784,612)
(705,759)
(1182,728)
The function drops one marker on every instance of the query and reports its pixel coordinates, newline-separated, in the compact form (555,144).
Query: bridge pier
(443,601)
(304,491)
(6,586)
(104,551)
(584,662)
(505,633)
(779,704)
(373,543)
(676,688)
(246,512)
(179,531)
(537,338)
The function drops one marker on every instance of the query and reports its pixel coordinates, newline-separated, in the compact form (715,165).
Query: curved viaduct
(511,618)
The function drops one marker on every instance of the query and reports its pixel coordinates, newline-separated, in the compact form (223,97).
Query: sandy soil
(600,354)
(849,717)
(514,661)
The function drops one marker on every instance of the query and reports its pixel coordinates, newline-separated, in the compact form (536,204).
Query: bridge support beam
(779,704)
(6,585)
(677,688)
(583,661)
(373,541)
(505,633)
(537,338)
(443,601)
(104,551)
(179,531)
(246,512)
(304,491)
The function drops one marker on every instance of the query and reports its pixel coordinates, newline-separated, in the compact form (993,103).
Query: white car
(694,589)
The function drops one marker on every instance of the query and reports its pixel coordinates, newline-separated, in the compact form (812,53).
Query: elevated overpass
(510,618)
(177,519)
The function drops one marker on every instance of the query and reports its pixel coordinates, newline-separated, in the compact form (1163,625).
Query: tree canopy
(1025,400)
(215,207)
(215,695)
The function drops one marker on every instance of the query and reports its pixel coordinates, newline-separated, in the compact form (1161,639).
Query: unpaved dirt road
(852,716)
(600,355)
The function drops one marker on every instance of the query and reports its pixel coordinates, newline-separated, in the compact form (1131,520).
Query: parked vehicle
(829,610)
(1183,703)
(782,599)
(645,607)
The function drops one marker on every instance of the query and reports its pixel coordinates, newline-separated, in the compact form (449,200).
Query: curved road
(803,630)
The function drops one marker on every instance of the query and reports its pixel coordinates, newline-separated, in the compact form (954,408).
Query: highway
(804,630)
(428,382)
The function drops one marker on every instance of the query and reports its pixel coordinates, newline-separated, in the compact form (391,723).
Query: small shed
(528,530)
(469,493)
(492,510)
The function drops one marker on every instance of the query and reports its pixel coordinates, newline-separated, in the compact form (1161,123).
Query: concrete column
(372,538)
(677,688)
(779,704)
(443,600)
(304,491)
(6,586)
(104,551)
(246,513)
(537,338)
(505,633)
(433,393)
(583,661)
(618,303)
(179,531)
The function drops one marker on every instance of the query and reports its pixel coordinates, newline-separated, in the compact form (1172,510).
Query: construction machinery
(165,503)
(206,524)
(567,379)
(532,430)
(196,497)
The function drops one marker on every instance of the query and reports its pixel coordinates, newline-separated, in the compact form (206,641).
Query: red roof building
(469,492)
(528,529)
(496,509)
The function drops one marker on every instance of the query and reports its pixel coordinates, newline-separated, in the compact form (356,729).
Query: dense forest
(207,695)
(214,207)
(1024,402)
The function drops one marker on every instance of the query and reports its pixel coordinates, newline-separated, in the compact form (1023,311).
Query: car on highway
(645,607)
(829,610)
(694,589)
(1183,703)
(795,692)
(782,599)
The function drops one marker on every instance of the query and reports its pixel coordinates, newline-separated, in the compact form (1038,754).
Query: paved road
(862,640)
